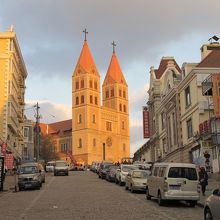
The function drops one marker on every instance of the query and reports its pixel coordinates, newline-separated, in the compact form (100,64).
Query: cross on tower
(114,45)
(86,32)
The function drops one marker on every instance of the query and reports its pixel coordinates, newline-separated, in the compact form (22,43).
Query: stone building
(12,83)
(100,129)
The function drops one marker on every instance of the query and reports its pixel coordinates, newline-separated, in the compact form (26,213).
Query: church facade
(100,130)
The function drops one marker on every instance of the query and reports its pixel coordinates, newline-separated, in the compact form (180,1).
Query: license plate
(174,187)
(27,185)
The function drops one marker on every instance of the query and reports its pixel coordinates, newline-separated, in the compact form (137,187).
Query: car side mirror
(216,192)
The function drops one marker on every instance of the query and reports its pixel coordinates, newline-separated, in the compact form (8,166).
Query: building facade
(12,83)
(100,130)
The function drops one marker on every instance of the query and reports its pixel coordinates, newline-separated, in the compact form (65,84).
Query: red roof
(114,73)
(211,60)
(163,66)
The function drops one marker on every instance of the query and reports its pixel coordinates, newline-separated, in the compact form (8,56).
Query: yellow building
(100,131)
(12,85)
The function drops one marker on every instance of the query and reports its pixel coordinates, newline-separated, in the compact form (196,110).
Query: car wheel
(148,197)
(159,199)
(192,203)
(208,214)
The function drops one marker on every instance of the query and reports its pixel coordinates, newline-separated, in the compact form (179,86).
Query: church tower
(85,107)
(115,97)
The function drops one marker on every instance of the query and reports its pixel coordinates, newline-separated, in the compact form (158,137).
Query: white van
(174,181)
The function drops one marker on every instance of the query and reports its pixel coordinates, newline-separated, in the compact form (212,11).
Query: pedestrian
(203,179)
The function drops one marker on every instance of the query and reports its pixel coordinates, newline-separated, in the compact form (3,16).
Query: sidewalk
(213,183)
(9,184)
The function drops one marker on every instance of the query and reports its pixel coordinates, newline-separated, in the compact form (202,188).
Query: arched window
(91,99)
(80,143)
(120,92)
(120,107)
(93,119)
(124,108)
(112,92)
(82,83)
(107,94)
(77,100)
(96,100)
(95,85)
(90,83)
(77,85)
(123,125)
(82,99)
(80,119)
(124,94)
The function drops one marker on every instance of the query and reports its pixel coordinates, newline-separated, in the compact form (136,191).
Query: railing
(207,86)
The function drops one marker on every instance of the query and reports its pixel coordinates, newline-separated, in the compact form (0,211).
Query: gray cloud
(52,29)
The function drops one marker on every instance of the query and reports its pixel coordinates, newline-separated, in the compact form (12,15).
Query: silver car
(61,167)
(212,206)
(136,180)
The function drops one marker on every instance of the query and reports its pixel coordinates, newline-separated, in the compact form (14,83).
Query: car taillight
(198,188)
(165,187)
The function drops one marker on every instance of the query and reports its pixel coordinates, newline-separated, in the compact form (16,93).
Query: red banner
(146,124)
(4,148)
(9,161)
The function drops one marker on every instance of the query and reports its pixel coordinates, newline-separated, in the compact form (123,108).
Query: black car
(103,170)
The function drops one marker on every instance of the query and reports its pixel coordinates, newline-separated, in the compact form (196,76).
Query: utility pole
(37,133)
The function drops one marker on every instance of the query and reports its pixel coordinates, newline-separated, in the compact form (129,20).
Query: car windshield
(127,168)
(183,172)
(60,164)
(28,169)
(140,174)
(50,164)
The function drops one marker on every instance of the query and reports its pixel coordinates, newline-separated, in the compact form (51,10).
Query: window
(26,132)
(189,128)
(90,83)
(64,147)
(77,100)
(94,142)
(93,119)
(107,94)
(162,171)
(162,120)
(174,128)
(187,96)
(95,85)
(120,92)
(96,100)
(155,171)
(112,92)
(91,99)
(182,172)
(82,99)
(108,126)
(82,83)
(123,125)
(124,108)
(120,107)
(169,132)
(80,119)
(164,143)
(124,94)
(80,143)
(77,85)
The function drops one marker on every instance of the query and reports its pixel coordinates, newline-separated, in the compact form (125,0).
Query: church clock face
(109,142)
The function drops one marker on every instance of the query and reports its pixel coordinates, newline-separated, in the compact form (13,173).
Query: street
(82,195)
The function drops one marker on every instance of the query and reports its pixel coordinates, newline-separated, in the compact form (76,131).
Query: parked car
(111,172)
(174,181)
(61,167)
(103,170)
(50,166)
(121,173)
(212,206)
(30,176)
(136,180)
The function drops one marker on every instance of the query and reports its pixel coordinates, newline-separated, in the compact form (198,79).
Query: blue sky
(50,36)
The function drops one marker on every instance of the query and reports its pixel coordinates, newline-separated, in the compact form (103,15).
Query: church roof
(85,60)
(114,73)
(211,60)
(163,66)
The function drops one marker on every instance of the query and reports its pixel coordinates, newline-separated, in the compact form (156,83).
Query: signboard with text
(9,161)
(146,124)
(4,148)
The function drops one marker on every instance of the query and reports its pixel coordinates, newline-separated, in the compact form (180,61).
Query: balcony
(207,86)
(205,105)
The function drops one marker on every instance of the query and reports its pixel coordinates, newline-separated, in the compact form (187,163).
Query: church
(100,129)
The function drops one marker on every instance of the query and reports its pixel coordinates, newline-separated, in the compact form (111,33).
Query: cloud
(50,112)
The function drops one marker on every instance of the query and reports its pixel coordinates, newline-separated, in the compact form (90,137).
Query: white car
(50,166)
(212,206)
(61,167)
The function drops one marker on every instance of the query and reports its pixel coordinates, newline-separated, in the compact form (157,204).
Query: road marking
(22,216)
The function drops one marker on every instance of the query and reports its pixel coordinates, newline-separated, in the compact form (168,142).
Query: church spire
(114,73)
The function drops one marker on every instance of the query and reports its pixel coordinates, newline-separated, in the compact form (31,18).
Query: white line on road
(22,216)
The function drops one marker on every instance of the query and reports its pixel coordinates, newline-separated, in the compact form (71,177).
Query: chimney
(206,49)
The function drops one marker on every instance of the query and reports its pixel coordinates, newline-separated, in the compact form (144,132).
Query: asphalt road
(82,195)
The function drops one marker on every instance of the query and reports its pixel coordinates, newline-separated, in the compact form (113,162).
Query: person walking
(203,179)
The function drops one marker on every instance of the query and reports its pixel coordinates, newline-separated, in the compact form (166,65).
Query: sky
(51,38)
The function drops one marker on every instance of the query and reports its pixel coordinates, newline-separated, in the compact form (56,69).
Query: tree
(47,150)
